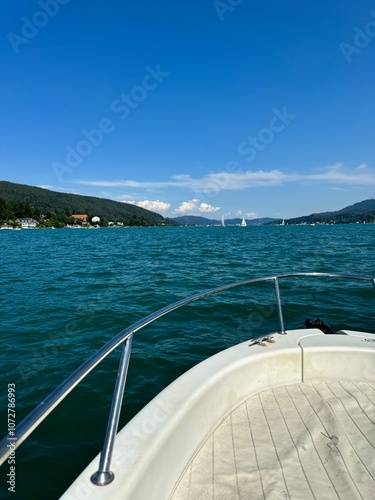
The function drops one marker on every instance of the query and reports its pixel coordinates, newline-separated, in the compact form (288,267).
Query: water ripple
(65,293)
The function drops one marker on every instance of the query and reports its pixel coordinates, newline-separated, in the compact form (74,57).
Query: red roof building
(82,217)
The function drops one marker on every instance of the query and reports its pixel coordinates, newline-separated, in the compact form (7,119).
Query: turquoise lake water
(64,293)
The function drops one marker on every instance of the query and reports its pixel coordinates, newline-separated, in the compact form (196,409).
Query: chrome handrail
(104,475)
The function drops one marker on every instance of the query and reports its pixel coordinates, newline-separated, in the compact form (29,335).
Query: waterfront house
(27,223)
(80,218)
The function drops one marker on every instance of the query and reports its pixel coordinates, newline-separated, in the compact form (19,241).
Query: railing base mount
(102,478)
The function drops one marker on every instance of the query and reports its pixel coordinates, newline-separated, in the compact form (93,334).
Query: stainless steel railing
(104,475)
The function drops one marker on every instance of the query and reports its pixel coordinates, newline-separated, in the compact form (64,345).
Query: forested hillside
(19,200)
(363,211)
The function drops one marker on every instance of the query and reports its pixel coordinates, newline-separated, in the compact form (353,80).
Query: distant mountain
(52,201)
(250,222)
(362,206)
(46,201)
(363,211)
(193,220)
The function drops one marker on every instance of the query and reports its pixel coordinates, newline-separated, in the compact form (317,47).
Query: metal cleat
(269,339)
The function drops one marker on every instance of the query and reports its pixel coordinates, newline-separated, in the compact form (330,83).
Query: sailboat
(243,223)
(282,222)
(222,221)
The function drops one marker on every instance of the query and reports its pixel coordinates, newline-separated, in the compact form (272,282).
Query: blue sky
(255,108)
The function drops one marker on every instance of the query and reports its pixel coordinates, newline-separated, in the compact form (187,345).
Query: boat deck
(305,441)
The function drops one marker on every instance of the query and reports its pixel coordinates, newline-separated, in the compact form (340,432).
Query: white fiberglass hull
(158,454)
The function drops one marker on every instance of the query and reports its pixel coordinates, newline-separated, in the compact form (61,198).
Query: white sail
(243,223)
(222,221)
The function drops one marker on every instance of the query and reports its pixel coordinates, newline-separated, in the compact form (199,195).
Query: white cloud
(195,207)
(339,174)
(153,205)
(211,183)
(336,174)
(205,207)
(129,183)
(247,215)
